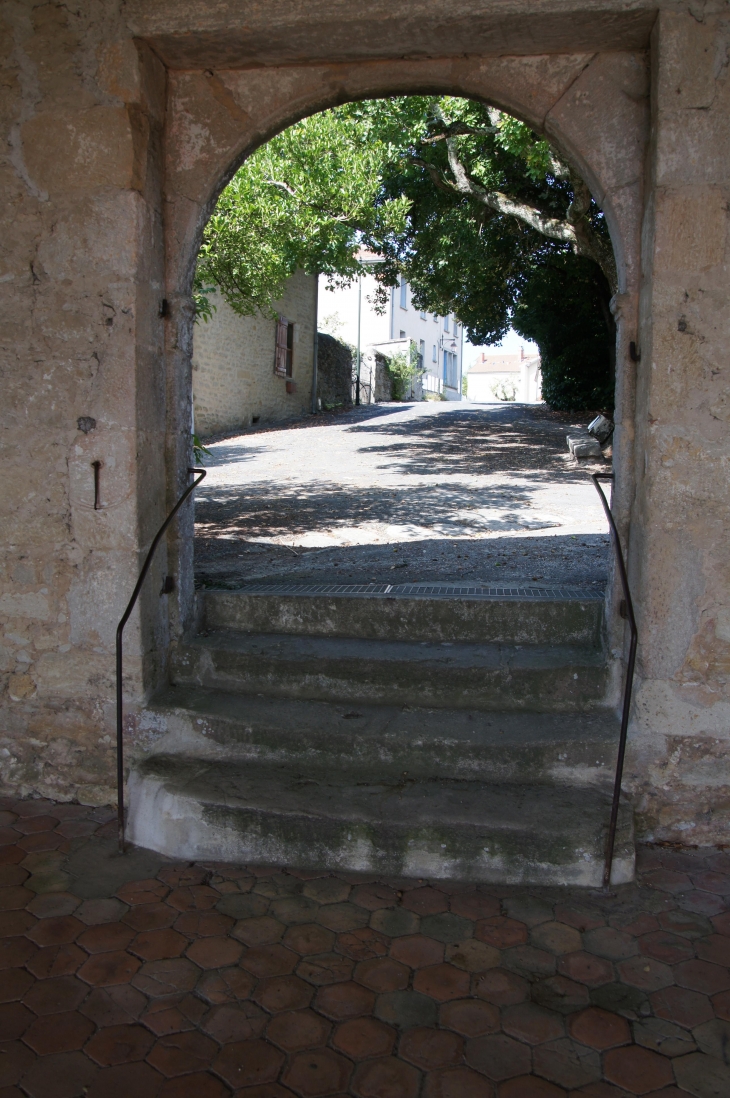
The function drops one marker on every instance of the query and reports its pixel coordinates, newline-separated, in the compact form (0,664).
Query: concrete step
(386,741)
(226,809)
(411,612)
(445,675)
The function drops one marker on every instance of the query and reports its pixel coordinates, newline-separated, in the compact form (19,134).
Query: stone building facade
(234,382)
(121,123)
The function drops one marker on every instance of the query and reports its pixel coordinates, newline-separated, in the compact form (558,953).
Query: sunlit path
(468,491)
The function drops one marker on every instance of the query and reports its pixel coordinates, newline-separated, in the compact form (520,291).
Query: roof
(497,363)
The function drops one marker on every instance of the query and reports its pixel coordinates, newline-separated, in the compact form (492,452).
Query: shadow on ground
(477,516)
(519,440)
(575,561)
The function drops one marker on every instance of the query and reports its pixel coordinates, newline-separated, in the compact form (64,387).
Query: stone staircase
(414,730)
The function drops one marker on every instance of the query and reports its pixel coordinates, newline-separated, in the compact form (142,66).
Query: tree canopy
(306,199)
(480,214)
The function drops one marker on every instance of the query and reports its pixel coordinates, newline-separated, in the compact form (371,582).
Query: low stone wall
(233,362)
(335,370)
(382,380)
(376,386)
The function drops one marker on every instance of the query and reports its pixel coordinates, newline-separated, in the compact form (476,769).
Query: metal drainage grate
(421,591)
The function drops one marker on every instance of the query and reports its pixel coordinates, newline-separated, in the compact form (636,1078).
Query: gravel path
(413,492)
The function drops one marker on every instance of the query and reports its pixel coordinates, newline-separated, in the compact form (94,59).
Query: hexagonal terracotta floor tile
(297,1030)
(637,1069)
(248,1063)
(599,1029)
(317,1072)
(119,1045)
(470,1017)
(386,1078)
(430,1049)
(362,1038)
(64,1032)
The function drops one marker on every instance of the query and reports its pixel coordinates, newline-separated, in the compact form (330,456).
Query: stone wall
(335,370)
(375,382)
(381,382)
(121,122)
(233,362)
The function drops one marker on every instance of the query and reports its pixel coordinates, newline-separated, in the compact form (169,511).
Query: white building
(438,340)
(497,376)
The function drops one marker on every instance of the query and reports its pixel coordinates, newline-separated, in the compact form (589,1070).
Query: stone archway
(594,107)
(120,129)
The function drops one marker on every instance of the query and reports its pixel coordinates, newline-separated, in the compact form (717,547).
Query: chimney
(522,352)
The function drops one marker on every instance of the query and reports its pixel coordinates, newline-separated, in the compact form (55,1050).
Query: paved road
(402,492)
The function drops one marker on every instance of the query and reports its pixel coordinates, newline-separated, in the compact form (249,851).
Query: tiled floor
(210,980)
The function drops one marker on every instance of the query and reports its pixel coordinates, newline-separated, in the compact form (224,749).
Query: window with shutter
(290,348)
(281,354)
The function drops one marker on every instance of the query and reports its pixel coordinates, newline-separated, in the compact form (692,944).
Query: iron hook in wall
(96,466)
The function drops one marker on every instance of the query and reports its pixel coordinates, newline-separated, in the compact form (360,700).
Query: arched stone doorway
(115,159)
(593,107)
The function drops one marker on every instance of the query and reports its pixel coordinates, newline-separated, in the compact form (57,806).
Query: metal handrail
(628,684)
(200,473)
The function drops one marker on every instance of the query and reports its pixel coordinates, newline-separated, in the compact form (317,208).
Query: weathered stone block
(691,230)
(79,150)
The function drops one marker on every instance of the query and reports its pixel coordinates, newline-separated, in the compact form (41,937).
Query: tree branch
(460,128)
(575,229)
(530,215)
(283,186)
(343,218)
(437,176)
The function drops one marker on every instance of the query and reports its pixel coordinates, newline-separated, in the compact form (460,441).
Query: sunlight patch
(459,527)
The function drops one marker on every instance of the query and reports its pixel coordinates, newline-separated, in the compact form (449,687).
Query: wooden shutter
(282,330)
(290,349)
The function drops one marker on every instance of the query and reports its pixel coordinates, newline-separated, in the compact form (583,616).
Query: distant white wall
(337,313)
(530,381)
(525,382)
(480,387)
(401,321)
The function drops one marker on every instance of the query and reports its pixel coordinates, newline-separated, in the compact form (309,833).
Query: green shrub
(403,368)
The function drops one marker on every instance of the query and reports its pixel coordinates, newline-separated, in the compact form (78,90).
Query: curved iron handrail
(200,473)
(628,685)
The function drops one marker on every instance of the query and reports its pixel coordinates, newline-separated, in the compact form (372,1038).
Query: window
(284,354)
(290,349)
(421,353)
(435,320)
(451,370)
(422,316)
(402,334)
(446,324)
(403,293)
(435,356)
